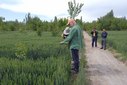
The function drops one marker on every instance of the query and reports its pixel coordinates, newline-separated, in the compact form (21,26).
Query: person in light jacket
(65,32)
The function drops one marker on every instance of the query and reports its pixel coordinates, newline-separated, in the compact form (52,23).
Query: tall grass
(37,46)
(118,41)
(27,59)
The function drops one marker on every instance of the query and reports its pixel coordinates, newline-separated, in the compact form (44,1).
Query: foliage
(1,22)
(21,51)
(39,31)
(28,72)
(41,60)
(34,23)
(74,8)
(54,29)
(109,22)
(118,41)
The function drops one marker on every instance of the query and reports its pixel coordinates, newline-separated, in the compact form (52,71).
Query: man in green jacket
(75,41)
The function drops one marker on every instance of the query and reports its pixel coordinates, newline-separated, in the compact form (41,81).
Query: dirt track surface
(103,68)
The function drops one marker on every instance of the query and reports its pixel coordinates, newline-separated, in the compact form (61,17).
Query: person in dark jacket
(94,34)
(103,36)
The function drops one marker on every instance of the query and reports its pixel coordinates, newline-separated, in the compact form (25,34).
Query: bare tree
(74,8)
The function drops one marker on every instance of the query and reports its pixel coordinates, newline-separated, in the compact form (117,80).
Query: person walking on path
(103,36)
(75,41)
(94,34)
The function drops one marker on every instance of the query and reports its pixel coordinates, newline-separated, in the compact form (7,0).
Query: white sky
(91,10)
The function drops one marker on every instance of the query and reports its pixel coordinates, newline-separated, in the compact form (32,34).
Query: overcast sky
(47,9)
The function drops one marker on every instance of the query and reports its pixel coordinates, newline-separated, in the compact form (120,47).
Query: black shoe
(73,70)
(101,48)
(105,49)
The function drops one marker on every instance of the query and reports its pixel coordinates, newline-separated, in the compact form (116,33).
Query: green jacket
(75,38)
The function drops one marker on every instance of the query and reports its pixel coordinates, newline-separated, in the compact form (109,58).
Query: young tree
(1,22)
(74,8)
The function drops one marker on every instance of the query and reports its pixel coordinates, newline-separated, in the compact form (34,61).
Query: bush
(21,51)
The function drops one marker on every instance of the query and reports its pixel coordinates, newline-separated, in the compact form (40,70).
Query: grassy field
(28,59)
(118,41)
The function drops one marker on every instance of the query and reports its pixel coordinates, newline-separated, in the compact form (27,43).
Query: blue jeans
(75,57)
(103,43)
(94,41)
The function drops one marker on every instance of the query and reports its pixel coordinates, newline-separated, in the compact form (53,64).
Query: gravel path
(103,68)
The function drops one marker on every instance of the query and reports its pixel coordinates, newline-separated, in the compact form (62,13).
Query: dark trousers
(103,43)
(75,57)
(94,41)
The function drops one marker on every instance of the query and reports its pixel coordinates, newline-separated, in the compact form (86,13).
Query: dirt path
(103,68)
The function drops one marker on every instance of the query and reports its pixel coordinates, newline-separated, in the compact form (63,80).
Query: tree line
(108,21)
(31,23)
(35,24)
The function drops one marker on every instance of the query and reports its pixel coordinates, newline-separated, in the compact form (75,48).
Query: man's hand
(62,42)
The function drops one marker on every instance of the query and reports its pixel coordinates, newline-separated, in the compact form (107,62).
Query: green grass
(37,45)
(27,59)
(118,41)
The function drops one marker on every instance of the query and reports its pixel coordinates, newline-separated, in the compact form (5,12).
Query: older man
(75,41)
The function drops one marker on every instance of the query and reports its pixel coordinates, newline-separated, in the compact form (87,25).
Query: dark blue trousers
(94,41)
(75,57)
